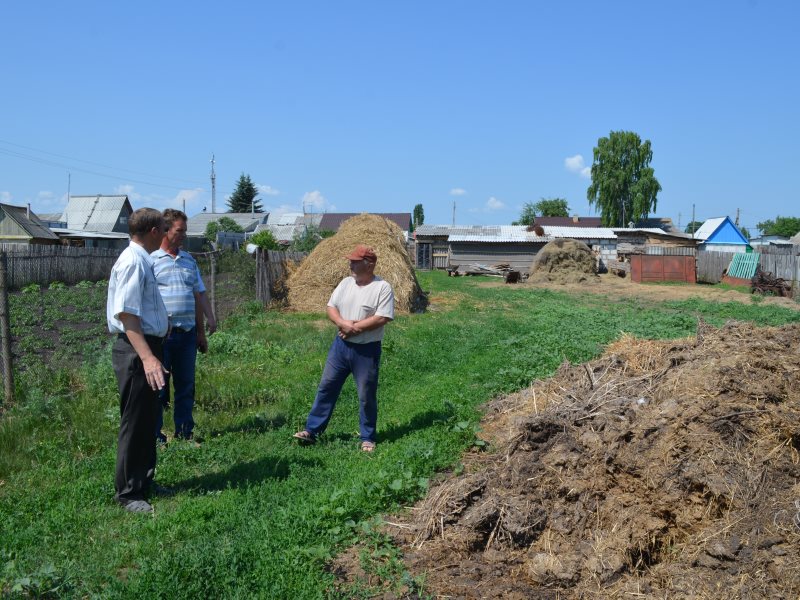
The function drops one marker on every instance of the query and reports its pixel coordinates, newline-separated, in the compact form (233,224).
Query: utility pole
(693,221)
(213,187)
(454,213)
(679,221)
(737,218)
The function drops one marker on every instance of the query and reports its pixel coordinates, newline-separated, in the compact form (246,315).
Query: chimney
(28,212)
(574,218)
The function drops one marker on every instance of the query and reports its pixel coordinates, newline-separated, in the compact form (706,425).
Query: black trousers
(138,407)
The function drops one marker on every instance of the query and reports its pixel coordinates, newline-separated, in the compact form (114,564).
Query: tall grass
(255,515)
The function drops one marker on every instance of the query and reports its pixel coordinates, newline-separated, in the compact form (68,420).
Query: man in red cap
(359,307)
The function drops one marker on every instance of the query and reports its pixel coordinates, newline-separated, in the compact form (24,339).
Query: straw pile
(311,285)
(564,261)
(662,469)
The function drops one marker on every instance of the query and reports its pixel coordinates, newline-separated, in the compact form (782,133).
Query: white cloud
(268,190)
(575,164)
(316,202)
(492,204)
(458,192)
(193,199)
(5,197)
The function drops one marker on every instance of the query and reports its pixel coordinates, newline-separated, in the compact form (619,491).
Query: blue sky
(377,106)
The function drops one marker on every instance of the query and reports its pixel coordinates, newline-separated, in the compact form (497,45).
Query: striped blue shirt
(178,279)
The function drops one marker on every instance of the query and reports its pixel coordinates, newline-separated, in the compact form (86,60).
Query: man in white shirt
(136,313)
(360,306)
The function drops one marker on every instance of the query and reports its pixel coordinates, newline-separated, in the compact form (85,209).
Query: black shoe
(160,490)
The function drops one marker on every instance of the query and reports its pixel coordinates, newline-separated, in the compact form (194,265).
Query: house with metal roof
(19,225)
(332,221)
(286,227)
(196,226)
(720,234)
(98,213)
(441,246)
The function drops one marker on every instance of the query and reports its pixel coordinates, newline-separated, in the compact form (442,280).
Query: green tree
(419,216)
(223,224)
(551,207)
(693,226)
(745,232)
(307,240)
(783,226)
(265,240)
(624,186)
(527,215)
(243,199)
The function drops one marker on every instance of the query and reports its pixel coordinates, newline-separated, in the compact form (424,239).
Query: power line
(17,154)
(51,163)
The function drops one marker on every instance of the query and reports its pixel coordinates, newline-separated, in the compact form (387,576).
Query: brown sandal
(368,446)
(305,437)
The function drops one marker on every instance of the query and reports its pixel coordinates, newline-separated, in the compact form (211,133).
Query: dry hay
(564,261)
(662,469)
(311,284)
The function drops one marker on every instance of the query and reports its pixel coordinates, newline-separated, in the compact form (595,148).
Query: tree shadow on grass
(244,474)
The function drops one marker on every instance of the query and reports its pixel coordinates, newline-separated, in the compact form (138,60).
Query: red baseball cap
(362,252)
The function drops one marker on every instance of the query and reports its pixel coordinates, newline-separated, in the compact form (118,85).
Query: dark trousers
(138,406)
(180,355)
(344,358)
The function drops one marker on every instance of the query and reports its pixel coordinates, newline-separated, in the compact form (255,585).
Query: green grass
(255,515)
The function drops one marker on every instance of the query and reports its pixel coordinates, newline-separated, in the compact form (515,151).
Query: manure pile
(564,261)
(661,470)
(311,284)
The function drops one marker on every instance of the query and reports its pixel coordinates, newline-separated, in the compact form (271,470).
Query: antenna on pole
(69,184)
(454,213)
(213,187)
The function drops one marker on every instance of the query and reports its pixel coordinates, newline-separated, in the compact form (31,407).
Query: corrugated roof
(653,230)
(94,213)
(580,233)
(332,221)
(93,235)
(569,221)
(708,228)
(247,221)
(32,225)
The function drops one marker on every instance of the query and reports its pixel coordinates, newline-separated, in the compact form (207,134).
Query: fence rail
(46,264)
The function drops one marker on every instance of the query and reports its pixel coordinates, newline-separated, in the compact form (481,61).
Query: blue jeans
(180,353)
(344,358)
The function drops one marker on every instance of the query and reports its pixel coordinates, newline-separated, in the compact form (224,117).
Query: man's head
(176,229)
(362,261)
(147,227)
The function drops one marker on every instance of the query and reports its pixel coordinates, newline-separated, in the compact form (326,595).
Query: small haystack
(564,261)
(311,285)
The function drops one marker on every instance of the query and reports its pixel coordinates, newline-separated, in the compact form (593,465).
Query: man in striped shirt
(184,295)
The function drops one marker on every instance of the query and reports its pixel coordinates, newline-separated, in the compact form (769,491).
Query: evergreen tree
(419,216)
(243,199)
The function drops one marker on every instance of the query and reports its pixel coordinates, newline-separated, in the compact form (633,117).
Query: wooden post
(5,333)
(213,284)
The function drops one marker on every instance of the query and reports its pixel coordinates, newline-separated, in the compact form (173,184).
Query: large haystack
(564,261)
(311,285)
(664,469)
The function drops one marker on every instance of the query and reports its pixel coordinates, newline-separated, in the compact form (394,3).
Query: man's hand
(348,329)
(211,324)
(202,342)
(154,372)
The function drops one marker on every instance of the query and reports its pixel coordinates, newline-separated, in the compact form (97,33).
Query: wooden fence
(272,268)
(711,265)
(29,264)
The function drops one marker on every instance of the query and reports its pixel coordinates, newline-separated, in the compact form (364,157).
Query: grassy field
(255,515)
